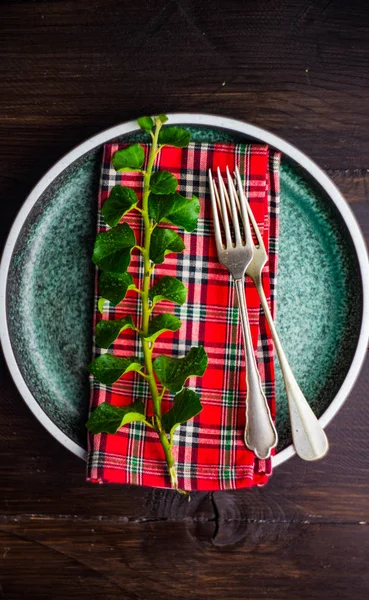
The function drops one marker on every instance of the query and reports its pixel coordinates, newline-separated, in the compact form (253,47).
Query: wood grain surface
(70,68)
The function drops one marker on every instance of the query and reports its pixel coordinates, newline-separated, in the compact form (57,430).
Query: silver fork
(260,433)
(308,436)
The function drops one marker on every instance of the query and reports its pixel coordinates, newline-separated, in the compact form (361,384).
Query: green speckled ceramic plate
(47,283)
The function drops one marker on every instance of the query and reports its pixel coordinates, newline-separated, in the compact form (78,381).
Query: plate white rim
(188,119)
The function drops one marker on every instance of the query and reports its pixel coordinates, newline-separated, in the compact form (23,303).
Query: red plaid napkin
(209,450)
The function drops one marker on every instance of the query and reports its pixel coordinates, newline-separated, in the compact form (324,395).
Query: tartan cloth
(209,450)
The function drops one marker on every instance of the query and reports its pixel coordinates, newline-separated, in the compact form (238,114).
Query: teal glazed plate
(47,283)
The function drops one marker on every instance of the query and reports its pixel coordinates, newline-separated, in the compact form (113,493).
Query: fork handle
(260,433)
(308,435)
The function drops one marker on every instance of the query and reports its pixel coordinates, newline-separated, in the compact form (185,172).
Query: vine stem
(146,345)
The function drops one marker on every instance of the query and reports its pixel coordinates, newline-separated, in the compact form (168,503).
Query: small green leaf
(168,288)
(161,323)
(114,286)
(164,241)
(129,159)
(120,200)
(112,250)
(173,372)
(108,331)
(108,368)
(146,123)
(163,118)
(107,418)
(175,209)
(186,405)
(100,305)
(174,136)
(163,182)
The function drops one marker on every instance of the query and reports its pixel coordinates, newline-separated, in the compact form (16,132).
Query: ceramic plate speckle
(47,283)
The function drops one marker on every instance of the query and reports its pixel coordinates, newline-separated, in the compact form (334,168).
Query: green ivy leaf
(100,305)
(173,372)
(108,331)
(161,323)
(146,123)
(114,286)
(163,182)
(120,200)
(107,418)
(186,405)
(168,288)
(175,209)
(108,368)
(129,159)
(163,118)
(112,250)
(174,136)
(164,241)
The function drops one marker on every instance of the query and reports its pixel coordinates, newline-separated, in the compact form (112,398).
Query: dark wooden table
(70,68)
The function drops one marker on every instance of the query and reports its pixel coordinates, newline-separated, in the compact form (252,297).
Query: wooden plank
(140,561)
(52,480)
(305,79)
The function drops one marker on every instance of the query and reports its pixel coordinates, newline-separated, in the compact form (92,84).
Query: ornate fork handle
(308,436)
(260,433)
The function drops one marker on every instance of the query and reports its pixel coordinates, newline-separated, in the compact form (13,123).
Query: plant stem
(147,346)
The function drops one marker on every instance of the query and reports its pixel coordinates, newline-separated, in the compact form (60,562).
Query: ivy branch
(160,203)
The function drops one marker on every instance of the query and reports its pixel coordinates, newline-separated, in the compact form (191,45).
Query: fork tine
(213,193)
(217,200)
(255,226)
(241,209)
(243,202)
(232,194)
(226,199)
(223,192)
(235,195)
(219,206)
(246,204)
(228,203)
